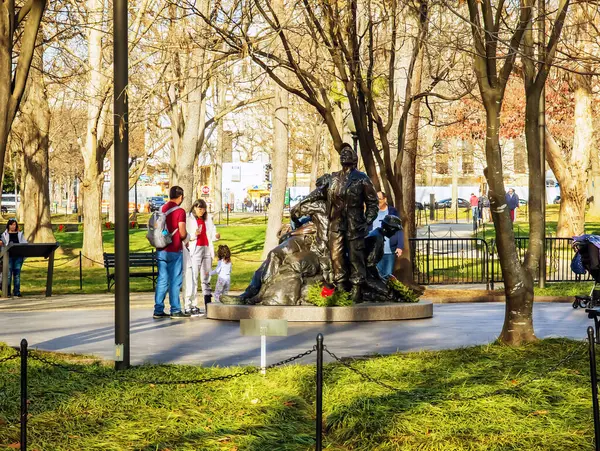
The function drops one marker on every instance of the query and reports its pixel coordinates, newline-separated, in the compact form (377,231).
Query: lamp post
(121,158)
(135,208)
(75,210)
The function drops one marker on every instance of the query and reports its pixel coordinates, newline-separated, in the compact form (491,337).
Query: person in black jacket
(394,245)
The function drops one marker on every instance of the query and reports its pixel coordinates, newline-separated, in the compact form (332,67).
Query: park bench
(136,260)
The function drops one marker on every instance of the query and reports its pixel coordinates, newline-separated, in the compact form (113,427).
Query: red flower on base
(61,227)
(326,291)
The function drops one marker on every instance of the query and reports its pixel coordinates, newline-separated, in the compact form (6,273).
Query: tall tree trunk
(334,156)
(280,168)
(15,65)
(36,194)
(537,179)
(594,185)
(404,166)
(572,174)
(316,152)
(409,161)
(218,166)
(518,283)
(93,151)
(455,173)
(193,138)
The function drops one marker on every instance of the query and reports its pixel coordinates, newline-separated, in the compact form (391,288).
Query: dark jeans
(170,278)
(14,273)
(386,265)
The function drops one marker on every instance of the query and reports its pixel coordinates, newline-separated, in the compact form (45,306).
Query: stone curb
(453,299)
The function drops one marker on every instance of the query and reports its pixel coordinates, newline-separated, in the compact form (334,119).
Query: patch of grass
(476,399)
(564,289)
(245,242)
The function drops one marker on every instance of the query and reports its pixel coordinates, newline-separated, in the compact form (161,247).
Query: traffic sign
(206,190)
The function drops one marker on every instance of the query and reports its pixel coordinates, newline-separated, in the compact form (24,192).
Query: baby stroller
(587,258)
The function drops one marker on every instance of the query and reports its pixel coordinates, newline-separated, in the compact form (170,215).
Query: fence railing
(450,260)
(441,261)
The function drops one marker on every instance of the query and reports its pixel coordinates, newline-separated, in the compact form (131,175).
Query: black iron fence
(450,260)
(441,261)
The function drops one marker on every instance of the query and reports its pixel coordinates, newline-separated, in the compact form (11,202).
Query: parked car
(447,203)
(156,202)
(419,206)
(522,202)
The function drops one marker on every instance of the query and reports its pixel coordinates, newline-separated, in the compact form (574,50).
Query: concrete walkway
(201,341)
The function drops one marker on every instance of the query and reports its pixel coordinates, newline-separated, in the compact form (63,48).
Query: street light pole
(121,158)
(75,209)
(135,209)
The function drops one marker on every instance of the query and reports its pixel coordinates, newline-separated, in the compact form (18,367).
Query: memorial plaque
(268,327)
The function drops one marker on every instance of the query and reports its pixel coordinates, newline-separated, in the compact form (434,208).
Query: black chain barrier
(319,348)
(127,378)
(245,259)
(360,373)
(92,260)
(55,266)
(10,357)
(561,362)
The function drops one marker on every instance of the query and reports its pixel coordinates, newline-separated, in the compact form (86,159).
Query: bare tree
(35,125)
(496,47)
(19,26)
(570,156)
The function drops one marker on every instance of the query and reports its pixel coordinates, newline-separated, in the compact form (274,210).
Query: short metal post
(319,420)
(456,211)
(80,272)
(263,350)
(227,215)
(23,395)
(431,206)
(594,377)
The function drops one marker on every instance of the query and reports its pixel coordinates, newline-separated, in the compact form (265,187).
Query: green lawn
(482,398)
(244,241)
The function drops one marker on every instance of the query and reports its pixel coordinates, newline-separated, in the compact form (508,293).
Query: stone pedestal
(309,313)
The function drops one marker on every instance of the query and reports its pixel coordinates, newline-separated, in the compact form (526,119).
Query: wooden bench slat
(136,260)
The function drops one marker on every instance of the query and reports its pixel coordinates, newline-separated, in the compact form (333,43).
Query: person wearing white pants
(198,255)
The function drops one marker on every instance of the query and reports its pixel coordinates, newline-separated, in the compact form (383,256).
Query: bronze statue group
(329,242)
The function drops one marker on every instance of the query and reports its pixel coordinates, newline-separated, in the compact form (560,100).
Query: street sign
(206,190)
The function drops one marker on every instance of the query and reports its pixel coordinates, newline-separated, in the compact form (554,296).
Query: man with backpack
(167,232)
